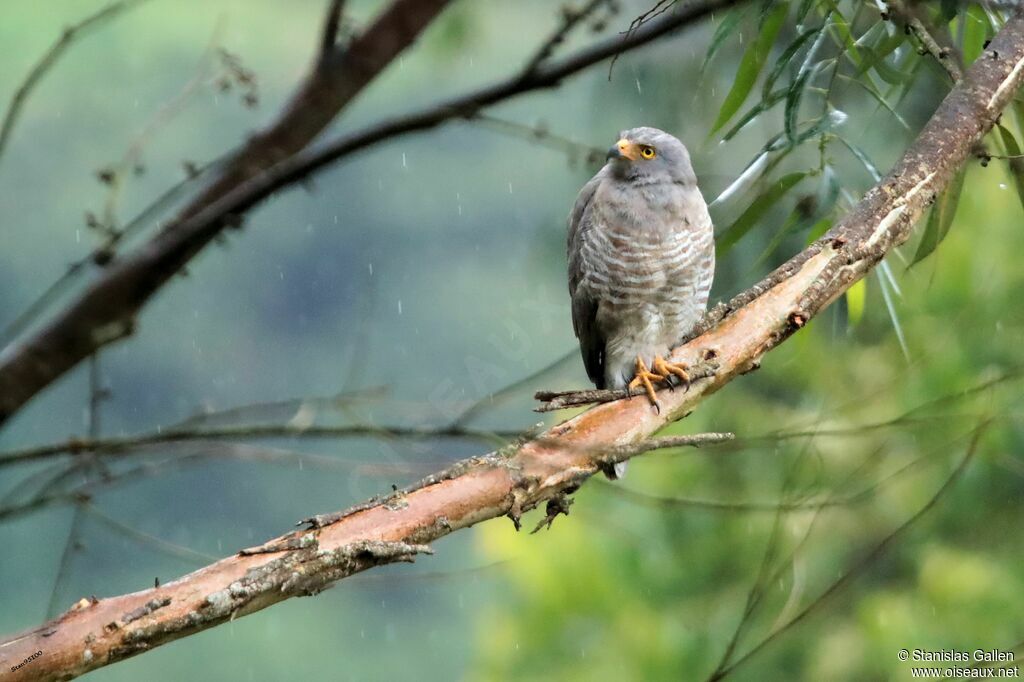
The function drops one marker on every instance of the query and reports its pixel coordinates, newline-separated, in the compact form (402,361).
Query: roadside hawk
(641,261)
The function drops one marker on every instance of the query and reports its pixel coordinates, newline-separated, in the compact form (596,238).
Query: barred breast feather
(641,264)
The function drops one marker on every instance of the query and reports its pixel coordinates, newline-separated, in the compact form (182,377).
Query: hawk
(641,261)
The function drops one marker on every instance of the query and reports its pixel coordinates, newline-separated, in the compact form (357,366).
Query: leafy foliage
(940,219)
(838,86)
(771,558)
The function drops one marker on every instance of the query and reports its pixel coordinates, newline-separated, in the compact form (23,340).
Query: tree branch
(106,310)
(943,56)
(520,477)
(126,444)
(50,57)
(332,25)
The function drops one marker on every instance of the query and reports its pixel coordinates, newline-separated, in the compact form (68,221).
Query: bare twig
(518,478)
(560,400)
(99,256)
(114,177)
(127,444)
(105,312)
(810,501)
(72,544)
(539,134)
(571,18)
(272,411)
(490,401)
(860,567)
(53,493)
(71,547)
(147,540)
(329,37)
(943,55)
(50,57)
(657,10)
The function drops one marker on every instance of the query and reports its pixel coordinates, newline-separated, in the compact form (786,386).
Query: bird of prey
(641,261)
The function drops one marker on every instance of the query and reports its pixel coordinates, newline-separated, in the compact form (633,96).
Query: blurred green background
(420,277)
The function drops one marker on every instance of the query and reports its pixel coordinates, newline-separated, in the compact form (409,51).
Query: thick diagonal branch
(522,476)
(106,310)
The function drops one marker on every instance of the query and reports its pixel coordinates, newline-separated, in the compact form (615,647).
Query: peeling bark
(524,475)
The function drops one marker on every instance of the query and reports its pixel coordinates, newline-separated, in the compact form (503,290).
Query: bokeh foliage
(433,266)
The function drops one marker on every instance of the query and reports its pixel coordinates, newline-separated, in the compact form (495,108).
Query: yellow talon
(643,378)
(667,369)
(662,371)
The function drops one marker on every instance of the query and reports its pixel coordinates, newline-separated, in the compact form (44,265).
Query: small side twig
(571,18)
(560,400)
(559,503)
(942,55)
(115,176)
(539,134)
(331,27)
(50,57)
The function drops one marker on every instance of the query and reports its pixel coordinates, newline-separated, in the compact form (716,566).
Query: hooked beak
(624,149)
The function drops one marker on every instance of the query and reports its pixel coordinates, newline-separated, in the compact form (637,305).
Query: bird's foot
(667,370)
(660,371)
(644,377)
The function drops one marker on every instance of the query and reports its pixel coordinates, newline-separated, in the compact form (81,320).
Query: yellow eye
(647,152)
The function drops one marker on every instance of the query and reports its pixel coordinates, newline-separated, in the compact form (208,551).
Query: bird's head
(651,155)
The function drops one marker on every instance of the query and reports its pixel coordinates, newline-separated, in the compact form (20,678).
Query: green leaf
(842,27)
(803,9)
(940,219)
(856,295)
(876,61)
(880,50)
(1015,162)
(765,104)
(793,223)
(808,212)
(976,29)
(785,58)
(818,230)
(761,205)
(796,91)
(822,125)
(879,97)
(948,9)
(887,282)
(751,64)
(861,156)
(725,29)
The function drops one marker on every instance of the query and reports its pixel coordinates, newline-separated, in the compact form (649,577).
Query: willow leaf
(725,29)
(861,156)
(976,29)
(856,296)
(764,105)
(1015,162)
(751,65)
(760,206)
(785,58)
(940,219)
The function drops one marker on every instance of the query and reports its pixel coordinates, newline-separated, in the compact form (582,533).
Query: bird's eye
(647,152)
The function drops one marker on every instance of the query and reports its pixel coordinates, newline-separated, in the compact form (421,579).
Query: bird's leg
(666,369)
(643,378)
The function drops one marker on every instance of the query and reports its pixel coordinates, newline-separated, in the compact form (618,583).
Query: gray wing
(584,306)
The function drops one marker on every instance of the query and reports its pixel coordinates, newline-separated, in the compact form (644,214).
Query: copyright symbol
(904,654)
